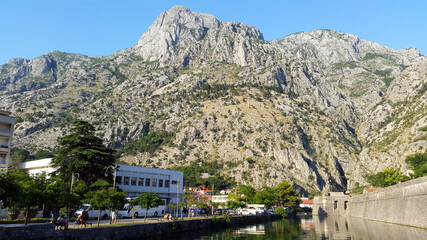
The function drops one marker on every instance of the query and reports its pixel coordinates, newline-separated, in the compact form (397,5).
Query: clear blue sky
(30,28)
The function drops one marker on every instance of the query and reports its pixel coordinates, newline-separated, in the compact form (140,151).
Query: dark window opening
(141,182)
(126,181)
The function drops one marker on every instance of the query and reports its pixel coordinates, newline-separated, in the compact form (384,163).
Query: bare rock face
(320,109)
(172,32)
(176,32)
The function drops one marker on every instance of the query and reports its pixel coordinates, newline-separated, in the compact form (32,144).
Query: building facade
(6,130)
(134,180)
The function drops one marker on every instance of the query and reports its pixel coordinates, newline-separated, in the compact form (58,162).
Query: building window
(345,205)
(167,183)
(147,182)
(140,181)
(174,182)
(133,182)
(126,181)
(335,205)
(160,182)
(119,179)
(154,182)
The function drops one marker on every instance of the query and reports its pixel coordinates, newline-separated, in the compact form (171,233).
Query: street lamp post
(72,180)
(114,174)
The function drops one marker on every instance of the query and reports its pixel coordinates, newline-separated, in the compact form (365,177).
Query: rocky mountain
(321,109)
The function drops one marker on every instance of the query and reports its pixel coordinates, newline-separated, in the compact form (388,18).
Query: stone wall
(404,203)
(138,231)
(334,204)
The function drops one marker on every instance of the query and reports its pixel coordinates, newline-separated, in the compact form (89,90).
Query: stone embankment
(404,203)
(138,231)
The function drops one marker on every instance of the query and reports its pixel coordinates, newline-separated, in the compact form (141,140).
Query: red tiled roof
(307,202)
(371,189)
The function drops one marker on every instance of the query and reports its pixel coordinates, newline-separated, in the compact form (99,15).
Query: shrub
(21,220)
(281,211)
(227,218)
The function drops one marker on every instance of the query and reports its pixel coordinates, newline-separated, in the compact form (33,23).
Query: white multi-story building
(6,131)
(134,180)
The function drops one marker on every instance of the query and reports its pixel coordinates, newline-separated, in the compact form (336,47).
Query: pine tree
(82,152)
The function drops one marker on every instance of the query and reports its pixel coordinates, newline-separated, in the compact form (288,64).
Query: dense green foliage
(266,196)
(385,178)
(147,200)
(17,221)
(21,155)
(105,198)
(19,191)
(286,195)
(41,154)
(281,211)
(418,163)
(235,204)
(193,174)
(148,143)
(82,152)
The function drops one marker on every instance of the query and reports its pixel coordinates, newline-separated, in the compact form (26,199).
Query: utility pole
(177,197)
(213,187)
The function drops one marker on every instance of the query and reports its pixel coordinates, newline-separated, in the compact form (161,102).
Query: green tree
(282,212)
(266,196)
(385,178)
(29,193)
(41,154)
(82,152)
(181,205)
(247,193)
(286,195)
(105,198)
(418,163)
(235,204)
(19,155)
(147,200)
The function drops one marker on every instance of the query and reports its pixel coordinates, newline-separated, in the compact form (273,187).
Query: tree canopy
(82,152)
(385,178)
(266,196)
(418,163)
(286,195)
(147,200)
(105,198)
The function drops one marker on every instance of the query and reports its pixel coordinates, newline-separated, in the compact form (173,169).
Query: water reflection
(340,227)
(332,227)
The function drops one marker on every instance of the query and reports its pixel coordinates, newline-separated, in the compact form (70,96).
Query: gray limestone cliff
(321,109)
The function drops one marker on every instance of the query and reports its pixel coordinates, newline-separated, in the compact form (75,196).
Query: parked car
(203,211)
(271,211)
(248,211)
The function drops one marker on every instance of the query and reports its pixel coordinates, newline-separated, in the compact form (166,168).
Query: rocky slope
(321,108)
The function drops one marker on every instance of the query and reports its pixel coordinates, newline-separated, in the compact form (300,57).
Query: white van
(137,211)
(92,213)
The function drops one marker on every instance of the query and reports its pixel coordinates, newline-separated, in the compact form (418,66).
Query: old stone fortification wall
(139,231)
(404,203)
(334,204)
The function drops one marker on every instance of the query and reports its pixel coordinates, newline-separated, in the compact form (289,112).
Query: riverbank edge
(137,231)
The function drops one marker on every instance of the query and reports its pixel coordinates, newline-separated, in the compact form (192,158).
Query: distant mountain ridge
(321,109)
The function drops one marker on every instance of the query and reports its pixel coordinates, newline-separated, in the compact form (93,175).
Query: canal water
(314,228)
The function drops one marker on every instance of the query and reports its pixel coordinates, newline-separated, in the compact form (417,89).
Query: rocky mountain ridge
(321,108)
